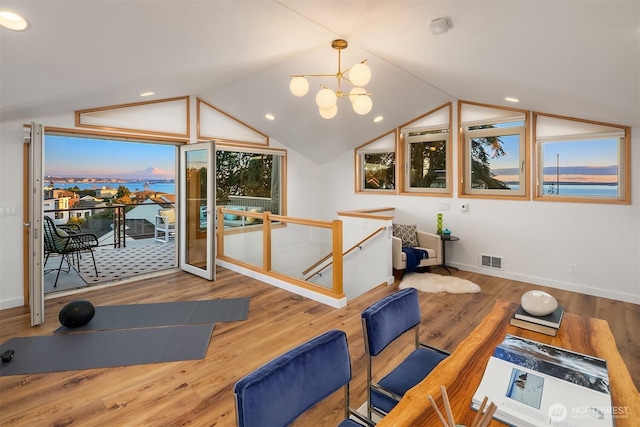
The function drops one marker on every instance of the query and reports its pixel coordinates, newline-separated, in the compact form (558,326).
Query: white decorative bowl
(538,303)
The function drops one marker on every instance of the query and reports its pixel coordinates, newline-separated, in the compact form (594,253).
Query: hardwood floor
(200,392)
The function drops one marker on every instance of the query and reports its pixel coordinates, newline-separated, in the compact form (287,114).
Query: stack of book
(548,324)
(536,385)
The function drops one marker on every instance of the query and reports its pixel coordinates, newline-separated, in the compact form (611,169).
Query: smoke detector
(439,26)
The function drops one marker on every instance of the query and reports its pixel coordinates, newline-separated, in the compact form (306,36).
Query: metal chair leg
(94,262)
(59,268)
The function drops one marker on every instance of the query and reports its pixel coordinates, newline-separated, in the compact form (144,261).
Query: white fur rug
(435,283)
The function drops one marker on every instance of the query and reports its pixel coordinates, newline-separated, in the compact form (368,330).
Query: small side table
(447,238)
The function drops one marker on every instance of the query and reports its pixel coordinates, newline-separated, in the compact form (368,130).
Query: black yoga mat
(67,352)
(133,316)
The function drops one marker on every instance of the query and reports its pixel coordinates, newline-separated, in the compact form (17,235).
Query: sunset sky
(96,158)
(579,161)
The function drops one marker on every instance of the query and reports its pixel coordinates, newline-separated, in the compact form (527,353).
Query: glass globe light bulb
(12,21)
(360,74)
(299,86)
(328,113)
(326,98)
(356,93)
(362,105)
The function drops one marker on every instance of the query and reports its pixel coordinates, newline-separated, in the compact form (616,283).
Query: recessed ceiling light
(270,116)
(147,93)
(13,21)
(510,99)
(378,119)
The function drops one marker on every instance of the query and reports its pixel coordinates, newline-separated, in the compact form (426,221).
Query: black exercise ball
(76,314)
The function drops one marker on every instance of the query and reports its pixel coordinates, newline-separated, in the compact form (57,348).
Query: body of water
(170,188)
(580,189)
(163,187)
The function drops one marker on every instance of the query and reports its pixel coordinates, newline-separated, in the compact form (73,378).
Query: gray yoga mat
(67,352)
(134,316)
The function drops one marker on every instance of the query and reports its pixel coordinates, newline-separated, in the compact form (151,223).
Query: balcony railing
(127,247)
(115,224)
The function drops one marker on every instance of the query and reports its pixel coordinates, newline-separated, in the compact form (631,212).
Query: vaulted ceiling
(572,58)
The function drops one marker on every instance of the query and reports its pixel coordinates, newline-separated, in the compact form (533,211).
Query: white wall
(537,240)
(11,225)
(304,185)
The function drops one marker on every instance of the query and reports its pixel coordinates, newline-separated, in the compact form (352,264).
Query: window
(581,161)
(426,154)
(376,165)
(427,160)
(495,150)
(250,177)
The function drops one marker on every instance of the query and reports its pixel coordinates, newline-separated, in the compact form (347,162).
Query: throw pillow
(168,214)
(251,220)
(406,233)
(233,217)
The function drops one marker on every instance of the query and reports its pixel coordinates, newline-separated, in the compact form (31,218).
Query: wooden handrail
(326,257)
(357,245)
(317,263)
(370,213)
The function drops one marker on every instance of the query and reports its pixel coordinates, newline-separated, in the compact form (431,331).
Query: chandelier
(326,99)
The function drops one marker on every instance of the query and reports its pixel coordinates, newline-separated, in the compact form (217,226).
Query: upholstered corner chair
(407,236)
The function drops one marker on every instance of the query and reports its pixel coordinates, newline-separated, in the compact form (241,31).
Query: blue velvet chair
(277,393)
(382,323)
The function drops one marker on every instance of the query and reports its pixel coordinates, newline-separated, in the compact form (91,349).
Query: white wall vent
(490,261)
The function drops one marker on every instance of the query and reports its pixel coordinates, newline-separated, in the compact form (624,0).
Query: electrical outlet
(573,268)
(464,207)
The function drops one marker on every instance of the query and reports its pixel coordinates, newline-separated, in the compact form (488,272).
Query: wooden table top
(461,372)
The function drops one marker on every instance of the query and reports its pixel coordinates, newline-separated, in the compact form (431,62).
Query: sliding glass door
(197,197)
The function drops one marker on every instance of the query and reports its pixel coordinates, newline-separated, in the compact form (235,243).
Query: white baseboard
(12,302)
(556,284)
(324,299)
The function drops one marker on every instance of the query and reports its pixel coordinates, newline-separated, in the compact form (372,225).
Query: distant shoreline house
(148,209)
(62,205)
(141,219)
(107,192)
(52,204)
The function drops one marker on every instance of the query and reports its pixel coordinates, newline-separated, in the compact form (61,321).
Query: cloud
(583,170)
(595,179)
(575,174)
